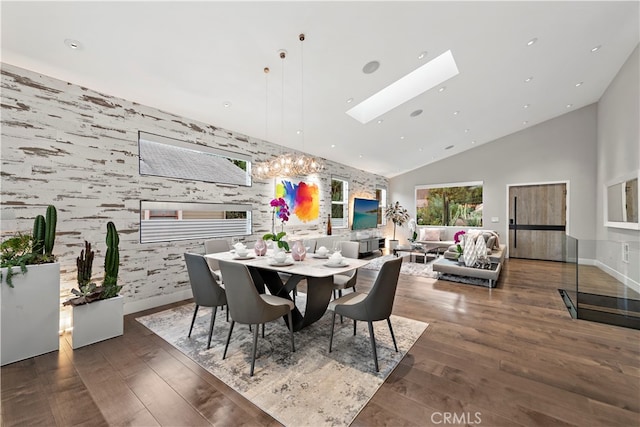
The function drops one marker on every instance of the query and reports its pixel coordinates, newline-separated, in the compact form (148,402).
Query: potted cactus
(30,291)
(97,310)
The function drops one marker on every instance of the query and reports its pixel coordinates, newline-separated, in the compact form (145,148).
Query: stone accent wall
(77,149)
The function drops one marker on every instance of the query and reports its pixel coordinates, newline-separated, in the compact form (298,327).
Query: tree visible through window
(451,205)
(339,203)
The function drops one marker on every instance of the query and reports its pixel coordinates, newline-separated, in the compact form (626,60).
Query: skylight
(431,74)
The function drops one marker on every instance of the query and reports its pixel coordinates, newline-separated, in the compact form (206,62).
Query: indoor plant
(30,303)
(398,215)
(281,210)
(97,310)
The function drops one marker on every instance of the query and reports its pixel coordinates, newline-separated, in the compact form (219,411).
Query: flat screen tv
(365,214)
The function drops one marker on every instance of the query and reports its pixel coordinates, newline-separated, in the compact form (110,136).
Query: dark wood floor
(502,357)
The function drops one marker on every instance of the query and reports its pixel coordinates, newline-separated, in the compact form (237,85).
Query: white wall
(618,151)
(77,149)
(561,149)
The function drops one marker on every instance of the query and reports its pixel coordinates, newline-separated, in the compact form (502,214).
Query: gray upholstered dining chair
(213,246)
(371,307)
(206,289)
(348,279)
(248,307)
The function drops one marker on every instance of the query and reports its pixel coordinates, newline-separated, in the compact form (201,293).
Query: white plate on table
(321,256)
(336,265)
(280,264)
(238,257)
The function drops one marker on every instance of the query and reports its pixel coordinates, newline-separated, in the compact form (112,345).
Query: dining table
(283,277)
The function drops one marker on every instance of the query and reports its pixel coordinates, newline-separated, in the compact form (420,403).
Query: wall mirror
(621,202)
(172,158)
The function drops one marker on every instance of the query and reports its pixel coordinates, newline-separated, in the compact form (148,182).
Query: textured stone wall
(77,149)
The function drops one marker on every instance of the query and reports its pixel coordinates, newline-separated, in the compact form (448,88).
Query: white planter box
(97,321)
(393,244)
(30,312)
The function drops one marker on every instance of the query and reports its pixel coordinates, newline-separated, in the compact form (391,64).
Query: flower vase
(298,251)
(469,255)
(260,248)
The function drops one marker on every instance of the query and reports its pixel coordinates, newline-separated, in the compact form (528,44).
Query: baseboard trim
(627,281)
(157,301)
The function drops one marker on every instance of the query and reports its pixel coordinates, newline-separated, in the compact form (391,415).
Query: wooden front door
(537,221)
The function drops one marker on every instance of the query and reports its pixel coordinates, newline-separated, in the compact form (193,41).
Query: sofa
(495,250)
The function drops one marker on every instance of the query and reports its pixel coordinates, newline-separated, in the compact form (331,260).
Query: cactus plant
(39,227)
(111,263)
(50,230)
(85,263)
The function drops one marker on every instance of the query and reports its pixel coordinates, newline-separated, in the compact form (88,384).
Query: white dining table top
(311,266)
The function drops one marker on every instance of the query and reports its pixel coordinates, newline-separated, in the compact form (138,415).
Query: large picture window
(339,203)
(456,204)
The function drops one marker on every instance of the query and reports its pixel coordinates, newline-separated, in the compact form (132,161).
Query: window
(457,204)
(339,203)
(381,196)
(167,221)
(172,158)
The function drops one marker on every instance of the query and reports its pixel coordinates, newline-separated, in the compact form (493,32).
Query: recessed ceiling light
(528,79)
(402,137)
(455,113)
(370,67)
(532,41)
(415,113)
(569,105)
(298,132)
(442,89)
(423,54)
(349,101)
(226,104)
(525,122)
(596,48)
(449,147)
(525,106)
(360,156)
(420,149)
(380,121)
(579,84)
(333,145)
(466,131)
(427,76)
(73,44)
(473,142)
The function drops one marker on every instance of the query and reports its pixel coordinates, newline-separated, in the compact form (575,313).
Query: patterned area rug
(310,387)
(410,268)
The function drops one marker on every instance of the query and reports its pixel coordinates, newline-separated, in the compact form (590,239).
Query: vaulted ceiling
(520,63)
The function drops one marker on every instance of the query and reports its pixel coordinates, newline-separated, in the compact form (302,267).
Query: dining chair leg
(392,335)
(293,346)
(354,327)
(373,345)
(213,322)
(227,313)
(195,312)
(253,351)
(233,322)
(333,322)
(263,330)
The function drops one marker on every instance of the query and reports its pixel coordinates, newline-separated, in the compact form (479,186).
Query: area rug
(410,268)
(310,387)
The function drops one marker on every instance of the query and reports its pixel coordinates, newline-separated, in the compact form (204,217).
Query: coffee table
(455,268)
(415,251)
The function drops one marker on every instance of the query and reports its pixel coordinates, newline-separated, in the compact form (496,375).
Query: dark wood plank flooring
(502,357)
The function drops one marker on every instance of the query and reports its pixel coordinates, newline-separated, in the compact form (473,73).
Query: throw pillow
(429,234)
(491,243)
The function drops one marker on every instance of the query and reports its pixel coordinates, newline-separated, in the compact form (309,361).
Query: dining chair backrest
(245,304)
(206,289)
(311,244)
(350,249)
(379,302)
(213,246)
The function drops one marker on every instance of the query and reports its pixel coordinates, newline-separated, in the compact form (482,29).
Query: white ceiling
(191,58)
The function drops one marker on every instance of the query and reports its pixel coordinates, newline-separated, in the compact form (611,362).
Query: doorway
(538,221)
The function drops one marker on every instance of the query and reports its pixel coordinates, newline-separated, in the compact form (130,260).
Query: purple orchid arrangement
(457,238)
(281,210)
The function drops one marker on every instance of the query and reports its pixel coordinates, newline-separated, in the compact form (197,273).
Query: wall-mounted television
(365,213)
